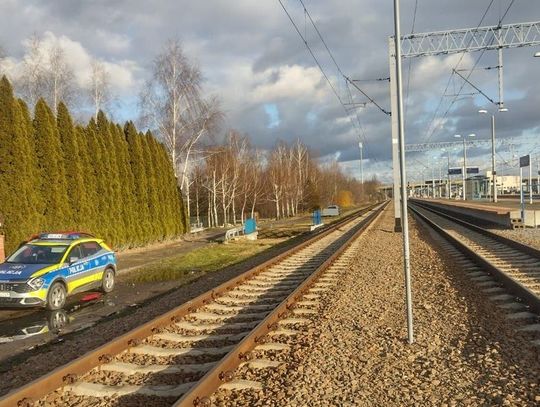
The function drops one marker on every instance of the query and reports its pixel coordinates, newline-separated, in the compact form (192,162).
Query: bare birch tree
(99,89)
(234,178)
(277,177)
(254,173)
(60,85)
(2,58)
(33,79)
(172,103)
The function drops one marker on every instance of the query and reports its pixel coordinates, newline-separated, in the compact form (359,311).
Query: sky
(269,85)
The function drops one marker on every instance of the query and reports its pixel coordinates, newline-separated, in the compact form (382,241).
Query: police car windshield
(38,254)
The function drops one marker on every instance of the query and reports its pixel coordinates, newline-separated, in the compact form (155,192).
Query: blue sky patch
(272,112)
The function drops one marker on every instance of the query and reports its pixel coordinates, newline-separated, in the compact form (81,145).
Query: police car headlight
(36,283)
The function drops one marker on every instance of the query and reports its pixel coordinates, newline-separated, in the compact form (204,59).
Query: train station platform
(505,213)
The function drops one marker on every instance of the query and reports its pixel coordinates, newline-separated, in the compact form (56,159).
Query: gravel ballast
(528,236)
(466,352)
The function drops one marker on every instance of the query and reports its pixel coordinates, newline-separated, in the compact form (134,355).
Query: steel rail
(511,285)
(67,374)
(199,395)
(531,251)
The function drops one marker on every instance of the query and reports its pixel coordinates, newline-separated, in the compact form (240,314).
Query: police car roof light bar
(63,235)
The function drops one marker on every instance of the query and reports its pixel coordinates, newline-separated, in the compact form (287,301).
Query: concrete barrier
(531,219)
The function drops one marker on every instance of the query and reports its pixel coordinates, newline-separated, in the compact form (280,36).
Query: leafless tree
(301,164)
(99,89)
(254,180)
(172,103)
(33,79)
(60,85)
(277,174)
(2,58)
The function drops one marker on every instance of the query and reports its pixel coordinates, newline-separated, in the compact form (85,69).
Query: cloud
(251,56)
(122,73)
(287,82)
(113,42)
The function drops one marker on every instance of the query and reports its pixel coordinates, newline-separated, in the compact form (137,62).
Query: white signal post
(464,171)
(530,183)
(524,161)
(448,180)
(361,146)
(493,170)
(538,175)
(521,202)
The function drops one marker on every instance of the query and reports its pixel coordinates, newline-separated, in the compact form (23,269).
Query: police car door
(75,268)
(92,262)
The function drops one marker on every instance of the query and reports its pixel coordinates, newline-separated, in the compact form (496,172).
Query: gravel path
(466,352)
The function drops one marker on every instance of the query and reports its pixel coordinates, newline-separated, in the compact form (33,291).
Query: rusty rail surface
(199,395)
(67,374)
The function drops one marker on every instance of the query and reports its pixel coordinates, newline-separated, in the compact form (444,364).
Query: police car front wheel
(56,297)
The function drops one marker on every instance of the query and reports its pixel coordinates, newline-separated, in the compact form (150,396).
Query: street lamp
(436,188)
(464,161)
(448,180)
(361,146)
(493,171)
(433,178)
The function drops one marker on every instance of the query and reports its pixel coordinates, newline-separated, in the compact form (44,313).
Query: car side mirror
(73,260)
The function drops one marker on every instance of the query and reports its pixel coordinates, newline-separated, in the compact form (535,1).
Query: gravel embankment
(466,353)
(529,237)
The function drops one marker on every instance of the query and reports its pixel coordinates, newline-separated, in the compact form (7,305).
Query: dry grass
(200,261)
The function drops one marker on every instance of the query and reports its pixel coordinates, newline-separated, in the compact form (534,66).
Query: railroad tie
(261,364)
(272,346)
(530,328)
(238,300)
(304,311)
(102,390)
(236,310)
(174,337)
(283,331)
(307,303)
(210,316)
(521,315)
(190,326)
(237,385)
(513,306)
(132,368)
(293,321)
(168,352)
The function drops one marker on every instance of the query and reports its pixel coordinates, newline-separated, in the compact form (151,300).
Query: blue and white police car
(49,268)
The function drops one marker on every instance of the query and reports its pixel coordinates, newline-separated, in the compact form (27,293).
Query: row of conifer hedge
(109,180)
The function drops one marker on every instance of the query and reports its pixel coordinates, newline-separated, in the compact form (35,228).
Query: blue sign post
(250,226)
(316,217)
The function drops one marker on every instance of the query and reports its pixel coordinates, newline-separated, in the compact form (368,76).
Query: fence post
(2,250)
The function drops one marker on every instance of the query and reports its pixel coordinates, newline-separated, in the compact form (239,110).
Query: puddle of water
(42,322)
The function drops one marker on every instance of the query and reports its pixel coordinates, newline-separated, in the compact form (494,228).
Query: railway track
(503,268)
(184,356)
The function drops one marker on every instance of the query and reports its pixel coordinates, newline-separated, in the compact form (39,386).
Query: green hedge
(109,180)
